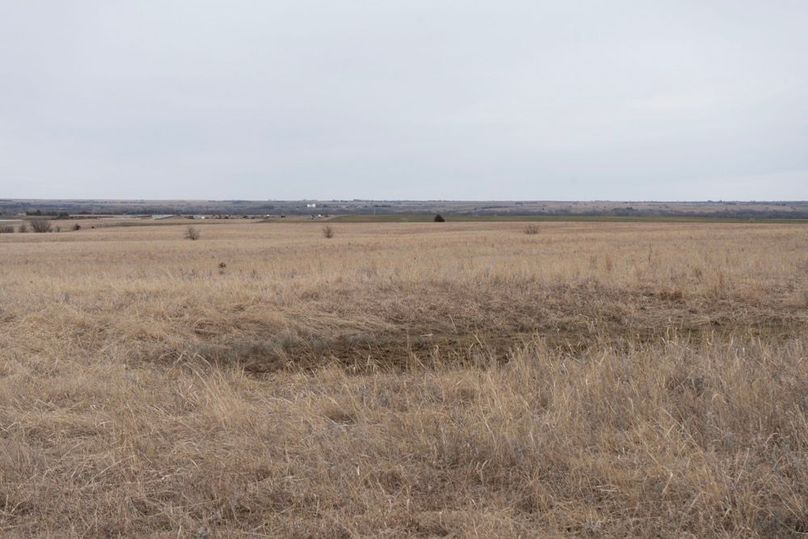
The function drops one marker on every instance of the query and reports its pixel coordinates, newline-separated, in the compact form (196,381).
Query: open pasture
(428,379)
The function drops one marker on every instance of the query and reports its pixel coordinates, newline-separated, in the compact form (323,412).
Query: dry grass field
(452,379)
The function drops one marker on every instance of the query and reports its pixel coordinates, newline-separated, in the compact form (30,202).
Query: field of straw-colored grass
(454,379)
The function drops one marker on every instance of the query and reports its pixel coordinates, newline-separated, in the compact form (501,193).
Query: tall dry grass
(461,379)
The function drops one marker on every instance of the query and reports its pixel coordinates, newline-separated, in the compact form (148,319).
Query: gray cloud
(416,99)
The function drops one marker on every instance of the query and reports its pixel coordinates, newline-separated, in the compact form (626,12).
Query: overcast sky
(415,99)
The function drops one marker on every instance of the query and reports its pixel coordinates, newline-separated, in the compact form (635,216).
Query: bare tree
(40,225)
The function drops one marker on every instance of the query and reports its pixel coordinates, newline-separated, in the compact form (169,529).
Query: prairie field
(426,379)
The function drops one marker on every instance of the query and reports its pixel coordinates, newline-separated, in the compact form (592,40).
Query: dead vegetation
(40,225)
(596,380)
